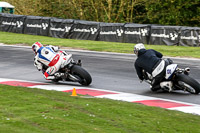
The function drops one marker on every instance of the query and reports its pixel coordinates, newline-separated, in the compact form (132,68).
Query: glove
(55,48)
(64,53)
(38,65)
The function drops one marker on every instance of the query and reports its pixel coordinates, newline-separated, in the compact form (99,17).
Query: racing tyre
(188,84)
(82,74)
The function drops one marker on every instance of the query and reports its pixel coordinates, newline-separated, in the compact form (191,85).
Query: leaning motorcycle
(176,79)
(73,71)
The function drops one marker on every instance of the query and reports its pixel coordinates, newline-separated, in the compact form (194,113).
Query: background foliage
(166,12)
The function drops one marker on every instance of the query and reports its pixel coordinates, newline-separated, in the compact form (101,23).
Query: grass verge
(25,110)
(13,38)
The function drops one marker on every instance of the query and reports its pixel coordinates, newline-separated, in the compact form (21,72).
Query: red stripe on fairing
(21,83)
(90,92)
(55,60)
(161,103)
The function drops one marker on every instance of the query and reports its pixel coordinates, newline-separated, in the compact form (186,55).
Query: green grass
(13,38)
(24,110)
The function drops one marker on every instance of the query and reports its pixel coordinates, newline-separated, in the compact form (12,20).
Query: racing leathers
(49,59)
(151,61)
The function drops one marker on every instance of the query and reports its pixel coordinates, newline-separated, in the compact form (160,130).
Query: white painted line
(56,87)
(127,97)
(188,109)
(4,79)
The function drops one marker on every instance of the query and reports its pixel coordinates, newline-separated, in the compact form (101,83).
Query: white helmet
(36,46)
(138,47)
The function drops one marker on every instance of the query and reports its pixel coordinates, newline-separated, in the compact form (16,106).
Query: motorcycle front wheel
(188,84)
(82,74)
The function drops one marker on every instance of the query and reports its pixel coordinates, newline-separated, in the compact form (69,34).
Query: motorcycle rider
(49,59)
(150,61)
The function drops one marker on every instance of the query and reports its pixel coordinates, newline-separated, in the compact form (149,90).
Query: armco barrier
(12,23)
(165,35)
(84,30)
(190,36)
(60,28)
(112,32)
(36,25)
(137,33)
(99,31)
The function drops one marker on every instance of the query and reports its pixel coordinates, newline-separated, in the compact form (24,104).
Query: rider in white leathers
(51,58)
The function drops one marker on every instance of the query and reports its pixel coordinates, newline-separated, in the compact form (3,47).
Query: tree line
(164,12)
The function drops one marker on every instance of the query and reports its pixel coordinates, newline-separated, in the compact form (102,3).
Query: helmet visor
(135,50)
(34,49)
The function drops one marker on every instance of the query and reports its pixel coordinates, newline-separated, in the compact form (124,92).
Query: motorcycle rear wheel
(188,84)
(85,78)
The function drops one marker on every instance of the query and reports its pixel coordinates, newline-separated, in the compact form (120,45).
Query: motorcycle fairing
(170,69)
(158,69)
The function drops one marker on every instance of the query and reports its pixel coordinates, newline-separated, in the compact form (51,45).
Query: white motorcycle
(72,71)
(176,79)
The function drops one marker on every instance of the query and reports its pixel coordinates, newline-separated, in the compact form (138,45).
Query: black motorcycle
(176,79)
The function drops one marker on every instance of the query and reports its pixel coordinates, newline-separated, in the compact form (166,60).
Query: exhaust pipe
(187,71)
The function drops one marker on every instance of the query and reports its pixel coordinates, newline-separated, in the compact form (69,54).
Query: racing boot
(155,88)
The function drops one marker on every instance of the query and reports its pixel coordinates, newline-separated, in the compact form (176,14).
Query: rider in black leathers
(149,60)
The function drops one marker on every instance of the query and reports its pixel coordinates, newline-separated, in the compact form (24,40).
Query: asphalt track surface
(109,71)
